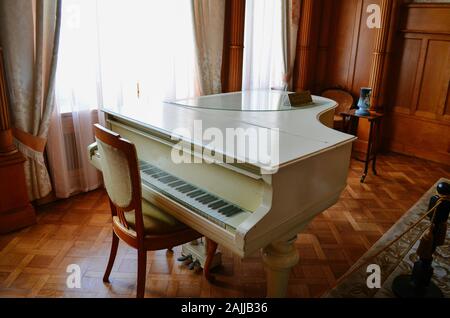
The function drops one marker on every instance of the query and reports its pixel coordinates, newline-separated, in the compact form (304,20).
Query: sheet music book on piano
(300,99)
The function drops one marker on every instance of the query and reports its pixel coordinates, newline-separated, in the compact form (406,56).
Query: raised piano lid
(301,133)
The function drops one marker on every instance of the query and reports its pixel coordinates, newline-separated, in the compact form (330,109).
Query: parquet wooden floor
(33,261)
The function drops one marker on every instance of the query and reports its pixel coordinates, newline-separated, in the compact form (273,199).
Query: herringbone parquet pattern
(33,261)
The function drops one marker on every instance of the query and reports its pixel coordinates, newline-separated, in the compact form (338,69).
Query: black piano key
(191,188)
(205,197)
(151,171)
(186,188)
(233,211)
(160,175)
(216,205)
(228,213)
(190,191)
(196,193)
(226,209)
(209,200)
(176,184)
(168,179)
(182,188)
(202,197)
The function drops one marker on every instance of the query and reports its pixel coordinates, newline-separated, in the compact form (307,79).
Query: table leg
(377,134)
(369,151)
(374,170)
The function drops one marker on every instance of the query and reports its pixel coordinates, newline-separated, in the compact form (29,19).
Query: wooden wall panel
(418,137)
(447,105)
(403,87)
(418,18)
(418,121)
(325,19)
(435,79)
(341,52)
(364,50)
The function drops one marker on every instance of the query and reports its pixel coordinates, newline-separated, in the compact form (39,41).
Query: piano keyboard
(200,201)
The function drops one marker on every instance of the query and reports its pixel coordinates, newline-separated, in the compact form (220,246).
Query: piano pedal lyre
(197,252)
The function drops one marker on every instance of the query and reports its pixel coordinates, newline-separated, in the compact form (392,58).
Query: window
(263,45)
(114,52)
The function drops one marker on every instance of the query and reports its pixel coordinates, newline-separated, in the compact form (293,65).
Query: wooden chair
(135,221)
(345,103)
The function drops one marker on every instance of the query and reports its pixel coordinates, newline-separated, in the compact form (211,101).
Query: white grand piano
(245,202)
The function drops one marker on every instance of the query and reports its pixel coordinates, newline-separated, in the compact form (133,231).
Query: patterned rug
(398,258)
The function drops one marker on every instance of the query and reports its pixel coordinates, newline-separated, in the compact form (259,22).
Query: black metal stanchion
(419,283)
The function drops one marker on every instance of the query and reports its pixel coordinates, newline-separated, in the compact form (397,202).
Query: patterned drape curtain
(209,19)
(29,35)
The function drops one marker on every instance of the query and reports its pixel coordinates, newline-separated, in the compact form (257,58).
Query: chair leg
(141,275)
(112,257)
(211,248)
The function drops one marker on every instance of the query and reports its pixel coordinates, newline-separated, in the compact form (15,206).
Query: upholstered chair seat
(156,221)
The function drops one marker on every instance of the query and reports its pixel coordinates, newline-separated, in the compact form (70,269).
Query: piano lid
(246,101)
(301,133)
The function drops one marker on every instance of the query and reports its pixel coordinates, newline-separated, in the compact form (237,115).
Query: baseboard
(417,152)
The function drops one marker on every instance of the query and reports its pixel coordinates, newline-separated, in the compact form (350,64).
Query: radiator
(70,144)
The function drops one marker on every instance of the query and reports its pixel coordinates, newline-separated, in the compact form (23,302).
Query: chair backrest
(342,97)
(121,176)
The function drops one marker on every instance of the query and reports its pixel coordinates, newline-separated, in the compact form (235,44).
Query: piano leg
(279,258)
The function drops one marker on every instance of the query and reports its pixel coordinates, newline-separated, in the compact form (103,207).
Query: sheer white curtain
(263,45)
(114,52)
(269,43)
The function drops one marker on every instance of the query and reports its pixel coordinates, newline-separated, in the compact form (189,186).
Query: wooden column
(15,208)
(6,138)
(304,46)
(233,48)
(379,52)
(325,24)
